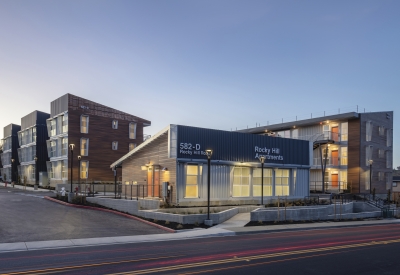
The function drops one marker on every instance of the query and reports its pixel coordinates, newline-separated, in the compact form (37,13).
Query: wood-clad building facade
(349,145)
(98,133)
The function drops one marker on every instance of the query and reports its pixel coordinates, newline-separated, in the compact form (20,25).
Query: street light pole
(12,169)
(262,159)
(71,193)
(79,172)
(209,154)
(36,171)
(370,175)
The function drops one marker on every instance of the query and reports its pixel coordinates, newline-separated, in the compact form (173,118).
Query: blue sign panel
(240,147)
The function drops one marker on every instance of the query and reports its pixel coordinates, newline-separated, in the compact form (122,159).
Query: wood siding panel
(353,165)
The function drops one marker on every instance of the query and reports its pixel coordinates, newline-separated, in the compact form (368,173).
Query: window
(282,182)
(115,124)
(65,123)
(114,145)
(344,131)
(368,154)
(367,179)
(325,129)
(388,180)
(84,146)
(343,155)
(53,127)
(257,182)
(381,153)
(84,169)
(32,175)
(64,148)
(295,133)
(193,176)
(389,136)
(84,124)
(50,170)
(34,134)
(132,146)
(64,169)
(53,148)
(284,134)
(132,130)
(381,130)
(368,128)
(381,176)
(388,159)
(241,182)
(343,179)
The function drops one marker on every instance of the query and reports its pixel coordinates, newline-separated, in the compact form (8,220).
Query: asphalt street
(355,250)
(25,216)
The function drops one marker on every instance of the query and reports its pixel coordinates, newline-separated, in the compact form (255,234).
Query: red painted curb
(112,211)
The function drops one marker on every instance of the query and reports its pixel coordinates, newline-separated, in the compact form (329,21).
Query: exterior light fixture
(262,159)
(209,154)
(164,169)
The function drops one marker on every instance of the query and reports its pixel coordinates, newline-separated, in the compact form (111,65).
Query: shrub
(155,221)
(166,222)
(196,224)
(201,211)
(179,226)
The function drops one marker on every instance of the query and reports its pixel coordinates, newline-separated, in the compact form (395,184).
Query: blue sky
(215,64)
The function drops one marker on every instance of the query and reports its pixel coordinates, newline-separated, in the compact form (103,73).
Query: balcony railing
(331,161)
(337,137)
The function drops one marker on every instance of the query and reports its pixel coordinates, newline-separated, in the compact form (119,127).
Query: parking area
(26,216)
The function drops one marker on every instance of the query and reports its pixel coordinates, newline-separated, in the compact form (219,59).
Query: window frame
(87,147)
(276,184)
(134,129)
(265,184)
(241,185)
(87,169)
(198,181)
(114,124)
(87,124)
(115,148)
(134,146)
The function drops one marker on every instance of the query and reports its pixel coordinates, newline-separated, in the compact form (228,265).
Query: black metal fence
(136,191)
(330,186)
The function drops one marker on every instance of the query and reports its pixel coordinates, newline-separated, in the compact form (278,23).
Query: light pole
(12,169)
(36,171)
(262,159)
(79,172)
(209,154)
(71,193)
(370,175)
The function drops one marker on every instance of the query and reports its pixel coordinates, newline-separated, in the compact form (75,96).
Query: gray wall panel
(59,105)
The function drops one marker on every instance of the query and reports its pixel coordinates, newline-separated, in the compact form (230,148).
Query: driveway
(26,216)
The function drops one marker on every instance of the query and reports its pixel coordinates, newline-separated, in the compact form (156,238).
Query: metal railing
(333,161)
(136,191)
(330,186)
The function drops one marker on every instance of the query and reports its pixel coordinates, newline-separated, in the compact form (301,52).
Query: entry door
(156,182)
(335,157)
(335,133)
(150,182)
(335,180)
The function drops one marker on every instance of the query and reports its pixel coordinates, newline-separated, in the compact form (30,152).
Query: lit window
(295,133)
(368,136)
(282,182)
(115,145)
(193,173)
(84,124)
(344,130)
(53,148)
(368,154)
(284,134)
(64,148)
(33,175)
(34,134)
(65,123)
(115,124)
(343,156)
(84,169)
(257,182)
(132,130)
(84,146)
(53,129)
(132,146)
(64,169)
(325,129)
(241,182)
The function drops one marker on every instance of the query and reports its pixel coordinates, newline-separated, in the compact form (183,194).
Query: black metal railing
(330,186)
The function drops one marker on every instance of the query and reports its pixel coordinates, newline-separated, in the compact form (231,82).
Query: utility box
(164,189)
(43,179)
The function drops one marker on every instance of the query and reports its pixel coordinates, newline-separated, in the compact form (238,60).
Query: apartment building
(346,148)
(32,153)
(96,133)
(9,157)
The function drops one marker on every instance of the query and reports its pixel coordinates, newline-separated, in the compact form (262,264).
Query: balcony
(330,186)
(331,161)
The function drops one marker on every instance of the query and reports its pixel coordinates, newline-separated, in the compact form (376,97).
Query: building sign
(240,147)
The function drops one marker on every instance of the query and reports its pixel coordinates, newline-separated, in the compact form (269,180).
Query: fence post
(278,211)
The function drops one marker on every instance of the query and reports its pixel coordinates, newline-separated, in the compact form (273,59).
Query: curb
(306,228)
(112,211)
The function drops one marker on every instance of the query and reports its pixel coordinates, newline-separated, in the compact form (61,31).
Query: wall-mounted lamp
(164,169)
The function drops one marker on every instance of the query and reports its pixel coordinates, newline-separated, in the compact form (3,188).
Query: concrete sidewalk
(186,234)
(27,188)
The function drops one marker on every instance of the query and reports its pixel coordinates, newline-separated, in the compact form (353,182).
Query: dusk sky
(215,64)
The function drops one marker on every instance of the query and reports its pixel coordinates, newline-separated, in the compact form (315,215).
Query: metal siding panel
(302,183)
(59,105)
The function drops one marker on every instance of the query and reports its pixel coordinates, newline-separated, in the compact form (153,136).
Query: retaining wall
(128,206)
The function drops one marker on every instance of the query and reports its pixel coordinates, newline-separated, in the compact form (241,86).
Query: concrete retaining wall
(128,206)
(149,203)
(189,219)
